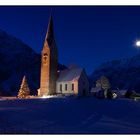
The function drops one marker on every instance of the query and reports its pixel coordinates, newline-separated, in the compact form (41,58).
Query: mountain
(123,74)
(16,60)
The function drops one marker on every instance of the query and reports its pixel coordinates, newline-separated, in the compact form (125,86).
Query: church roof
(72,74)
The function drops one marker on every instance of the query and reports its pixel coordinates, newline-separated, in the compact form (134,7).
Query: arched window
(45,55)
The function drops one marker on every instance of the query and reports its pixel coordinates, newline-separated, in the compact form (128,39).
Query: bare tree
(105,82)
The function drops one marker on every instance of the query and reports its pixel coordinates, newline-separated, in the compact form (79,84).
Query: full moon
(138,43)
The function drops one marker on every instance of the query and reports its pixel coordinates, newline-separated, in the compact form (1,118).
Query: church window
(45,56)
(60,87)
(72,87)
(66,87)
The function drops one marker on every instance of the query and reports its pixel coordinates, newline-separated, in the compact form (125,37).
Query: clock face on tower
(45,57)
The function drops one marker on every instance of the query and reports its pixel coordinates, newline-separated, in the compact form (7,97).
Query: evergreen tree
(24,91)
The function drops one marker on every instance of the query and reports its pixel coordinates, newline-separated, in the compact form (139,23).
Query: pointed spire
(50,32)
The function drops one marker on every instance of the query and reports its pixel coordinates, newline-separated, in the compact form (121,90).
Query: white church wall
(69,89)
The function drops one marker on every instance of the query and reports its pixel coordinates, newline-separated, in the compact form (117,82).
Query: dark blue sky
(86,36)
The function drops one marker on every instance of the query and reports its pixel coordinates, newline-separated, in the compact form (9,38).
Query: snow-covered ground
(69,116)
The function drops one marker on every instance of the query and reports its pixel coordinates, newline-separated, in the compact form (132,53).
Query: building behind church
(70,81)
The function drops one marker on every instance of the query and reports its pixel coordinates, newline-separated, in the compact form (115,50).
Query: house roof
(96,89)
(71,74)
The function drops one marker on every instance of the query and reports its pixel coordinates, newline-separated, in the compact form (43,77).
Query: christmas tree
(24,91)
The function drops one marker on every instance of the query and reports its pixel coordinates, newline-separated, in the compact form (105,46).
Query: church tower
(49,61)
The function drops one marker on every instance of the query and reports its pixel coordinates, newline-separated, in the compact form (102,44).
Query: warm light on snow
(138,43)
(44,96)
(47,96)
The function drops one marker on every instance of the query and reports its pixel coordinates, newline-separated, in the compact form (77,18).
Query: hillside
(123,74)
(18,59)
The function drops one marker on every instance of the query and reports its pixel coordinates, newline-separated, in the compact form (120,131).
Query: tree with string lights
(24,91)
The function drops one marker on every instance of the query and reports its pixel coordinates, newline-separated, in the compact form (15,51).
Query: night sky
(86,36)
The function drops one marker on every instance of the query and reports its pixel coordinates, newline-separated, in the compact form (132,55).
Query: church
(73,80)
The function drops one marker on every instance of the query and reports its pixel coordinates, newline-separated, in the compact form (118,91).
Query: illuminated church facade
(69,81)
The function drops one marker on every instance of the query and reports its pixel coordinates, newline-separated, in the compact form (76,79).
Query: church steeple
(49,63)
(50,32)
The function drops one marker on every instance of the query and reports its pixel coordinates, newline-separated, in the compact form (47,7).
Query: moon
(137,43)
